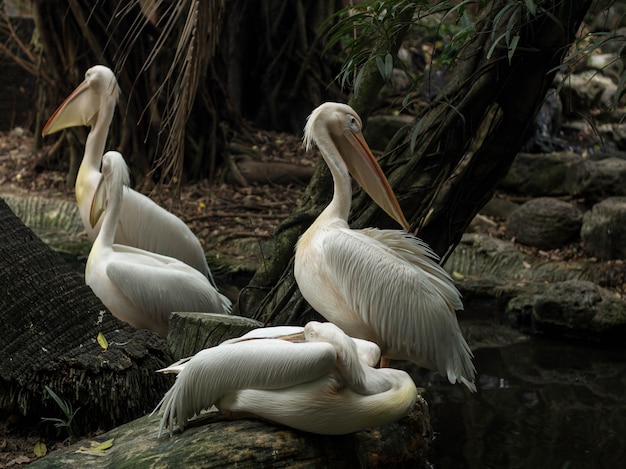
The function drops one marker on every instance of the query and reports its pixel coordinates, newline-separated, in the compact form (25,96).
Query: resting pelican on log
(384,286)
(143,223)
(315,379)
(138,286)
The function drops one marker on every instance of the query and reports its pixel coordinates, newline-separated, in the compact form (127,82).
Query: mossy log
(214,441)
(51,321)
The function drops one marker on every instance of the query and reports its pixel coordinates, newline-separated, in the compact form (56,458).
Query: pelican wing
(385,277)
(161,290)
(148,226)
(257,364)
(416,252)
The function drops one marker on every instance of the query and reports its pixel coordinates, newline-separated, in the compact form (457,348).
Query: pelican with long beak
(384,286)
(142,223)
(141,287)
(315,379)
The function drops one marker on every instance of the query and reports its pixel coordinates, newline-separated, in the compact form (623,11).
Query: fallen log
(214,441)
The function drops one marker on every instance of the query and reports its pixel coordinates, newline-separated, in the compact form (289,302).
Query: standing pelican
(380,285)
(143,223)
(137,286)
(320,384)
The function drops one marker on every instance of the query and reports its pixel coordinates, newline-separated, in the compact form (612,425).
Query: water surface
(540,404)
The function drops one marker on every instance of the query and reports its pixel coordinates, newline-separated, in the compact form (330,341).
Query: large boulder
(604,229)
(539,174)
(545,222)
(572,308)
(597,180)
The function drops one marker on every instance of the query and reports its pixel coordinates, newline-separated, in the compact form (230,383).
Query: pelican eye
(353,123)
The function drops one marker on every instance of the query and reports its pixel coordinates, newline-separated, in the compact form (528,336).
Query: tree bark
(445,166)
(51,321)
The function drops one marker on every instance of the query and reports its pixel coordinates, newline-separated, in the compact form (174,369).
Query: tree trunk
(445,166)
(51,321)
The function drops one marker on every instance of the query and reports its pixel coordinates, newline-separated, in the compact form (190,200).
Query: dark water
(540,404)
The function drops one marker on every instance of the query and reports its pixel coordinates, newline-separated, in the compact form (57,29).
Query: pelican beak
(98,203)
(79,108)
(367,172)
(297,337)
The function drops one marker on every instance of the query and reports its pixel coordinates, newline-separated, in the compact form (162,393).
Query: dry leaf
(97,448)
(40,449)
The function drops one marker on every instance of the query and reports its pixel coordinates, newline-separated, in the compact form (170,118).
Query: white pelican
(137,286)
(143,223)
(384,286)
(319,385)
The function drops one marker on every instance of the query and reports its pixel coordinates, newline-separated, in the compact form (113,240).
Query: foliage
(360,28)
(66,408)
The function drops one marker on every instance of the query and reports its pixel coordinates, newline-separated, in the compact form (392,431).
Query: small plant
(66,408)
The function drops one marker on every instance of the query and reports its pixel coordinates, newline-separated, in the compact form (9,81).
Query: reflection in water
(540,404)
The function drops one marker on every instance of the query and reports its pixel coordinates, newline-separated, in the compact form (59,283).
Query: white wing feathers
(168,290)
(217,371)
(148,226)
(396,275)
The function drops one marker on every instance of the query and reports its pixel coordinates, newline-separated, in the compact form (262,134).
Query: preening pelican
(143,223)
(137,286)
(384,286)
(319,385)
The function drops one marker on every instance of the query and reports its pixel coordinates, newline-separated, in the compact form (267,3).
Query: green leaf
(512,47)
(102,341)
(385,66)
(532,8)
(494,45)
(357,81)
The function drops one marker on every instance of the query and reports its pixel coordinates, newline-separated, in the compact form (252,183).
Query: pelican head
(336,129)
(115,174)
(82,106)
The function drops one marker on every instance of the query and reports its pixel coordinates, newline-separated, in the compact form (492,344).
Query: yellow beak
(98,203)
(79,108)
(367,172)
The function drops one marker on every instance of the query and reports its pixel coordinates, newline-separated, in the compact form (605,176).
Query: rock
(215,441)
(572,308)
(604,229)
(542,174)
(487,266)
(597,180)
(615,133)
(191,332)
(545,222)
(499,208)
(586,91)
